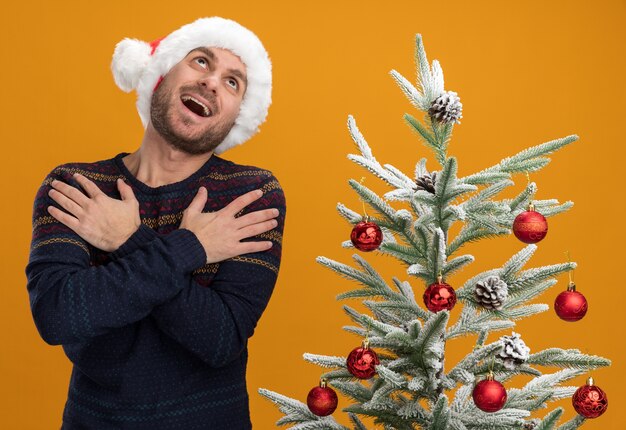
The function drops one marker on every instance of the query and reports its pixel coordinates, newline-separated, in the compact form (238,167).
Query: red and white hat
(139,65)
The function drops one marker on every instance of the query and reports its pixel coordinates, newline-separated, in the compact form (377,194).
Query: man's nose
(209,81)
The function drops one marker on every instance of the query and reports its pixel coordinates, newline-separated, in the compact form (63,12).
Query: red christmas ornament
(366,235)
(530,226)
(439,296)
(362,361)
(570,305)
(489,395)
(322,400)
(589,400)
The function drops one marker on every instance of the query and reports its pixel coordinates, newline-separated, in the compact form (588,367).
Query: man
(154,287)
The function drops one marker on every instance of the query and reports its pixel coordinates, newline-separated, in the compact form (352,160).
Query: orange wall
(526,72)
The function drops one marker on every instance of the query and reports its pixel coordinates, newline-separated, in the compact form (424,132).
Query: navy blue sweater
(157,337)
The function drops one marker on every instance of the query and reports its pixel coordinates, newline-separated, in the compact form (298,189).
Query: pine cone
(427,182)
(530,425)
(491,292)
(446,108)
(514,351)
(405,326)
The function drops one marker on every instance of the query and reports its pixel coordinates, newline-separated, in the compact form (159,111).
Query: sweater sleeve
(215,322)
(72,301)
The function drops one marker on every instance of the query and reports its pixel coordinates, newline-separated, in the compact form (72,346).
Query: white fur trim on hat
(139,65)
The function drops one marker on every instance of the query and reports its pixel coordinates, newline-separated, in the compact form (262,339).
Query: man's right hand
(220,232)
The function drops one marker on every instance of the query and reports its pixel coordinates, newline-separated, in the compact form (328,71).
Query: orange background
(526,73)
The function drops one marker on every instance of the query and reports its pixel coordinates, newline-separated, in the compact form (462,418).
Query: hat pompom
(129,61)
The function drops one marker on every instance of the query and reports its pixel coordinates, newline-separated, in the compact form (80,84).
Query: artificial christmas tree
(407,386)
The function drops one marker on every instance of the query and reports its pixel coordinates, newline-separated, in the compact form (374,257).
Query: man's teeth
(207,111)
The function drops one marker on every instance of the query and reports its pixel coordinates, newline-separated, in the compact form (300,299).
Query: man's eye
(202,58)
(234,81)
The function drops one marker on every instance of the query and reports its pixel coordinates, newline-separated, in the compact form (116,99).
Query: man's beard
(161,116)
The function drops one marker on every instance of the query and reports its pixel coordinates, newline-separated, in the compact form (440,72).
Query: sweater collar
(190,183)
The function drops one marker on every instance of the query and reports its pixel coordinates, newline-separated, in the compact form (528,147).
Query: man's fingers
(242,201)
(253,230)
(198,202)
(63,218)
(248,247)
(126,191)
(256,217)
(69,192)
(91,188)
(65,202)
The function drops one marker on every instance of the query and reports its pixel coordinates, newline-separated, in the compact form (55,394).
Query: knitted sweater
(157,337)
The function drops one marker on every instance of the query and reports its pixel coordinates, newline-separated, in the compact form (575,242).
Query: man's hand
(102,221)
(220,232)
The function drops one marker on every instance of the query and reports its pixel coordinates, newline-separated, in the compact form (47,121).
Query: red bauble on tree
(570,305)
(530,226)
(439,296)
(366,235)
(322,400)
(590,401)
(489,395)
(362,361)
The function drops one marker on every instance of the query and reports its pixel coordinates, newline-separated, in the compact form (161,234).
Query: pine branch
(341,374)
(325,360)
(516,263)
(520,202)
(353,389)
(473,233)
(462,398)
(477,323)
(384,416)
(489,192)
(358,425)
(502,373)
(436,255)
(424,76)
(374,201)
(464,369)
(394,379)
(394,178)
(573,424)
(410,91)
(510,164)
(504,419)
(548,381)
(374,284)
(298,413)
(529,404)
(516,163)
(427,138)
(519,296)
(456,264)
(403,311)
(409,183)
(322,424)
(550,420)
(441,414)
(378,328)
(571,358)
(485,177)
(538,274)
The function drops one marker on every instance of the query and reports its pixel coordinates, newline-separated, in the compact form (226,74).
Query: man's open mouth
(196,106)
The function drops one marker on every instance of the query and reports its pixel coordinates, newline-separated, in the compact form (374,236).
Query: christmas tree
(397,375)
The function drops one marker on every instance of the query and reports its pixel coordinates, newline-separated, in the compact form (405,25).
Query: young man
(154,286)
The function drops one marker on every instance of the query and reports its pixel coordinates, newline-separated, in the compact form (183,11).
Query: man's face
(214,77)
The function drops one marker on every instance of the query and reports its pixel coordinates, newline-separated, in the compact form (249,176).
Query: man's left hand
(102,221)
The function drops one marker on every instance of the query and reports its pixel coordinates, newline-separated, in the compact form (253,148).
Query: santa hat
(139,65)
